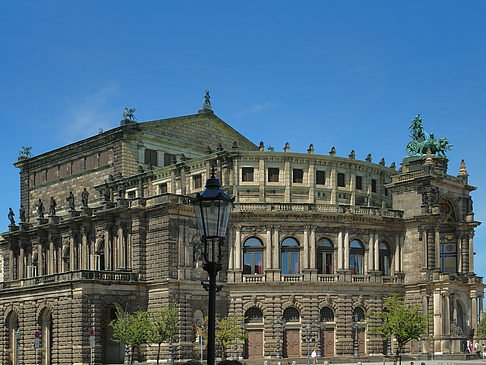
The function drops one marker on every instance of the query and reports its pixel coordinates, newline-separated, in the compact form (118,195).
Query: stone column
(340,251)
(72,253)
(396,255)
(106,239)
(402,243)
(85,260)
(312,182)
(268,248)
(12,266)
(121,248)
(459,255)
(231,251)
(474,311)
(333,185)
(40,260)
(276,254)
(287,177)
(305,261)
(346,250)
(20,262)
(51,267)
(312,246)
(465,253)
(437,321)
(471,253)
(481,313)
(238,248)
(371,251)
(430,249)
(261,179)
(437,248)
(377,252)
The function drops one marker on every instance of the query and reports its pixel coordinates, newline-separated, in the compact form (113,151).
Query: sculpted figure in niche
(40,208)
(11,215)
(121,190)
(106,193)
(52,206)
(22,213)
(84,197)
(70,200)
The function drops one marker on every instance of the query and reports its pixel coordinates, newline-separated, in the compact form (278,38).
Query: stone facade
(313,241)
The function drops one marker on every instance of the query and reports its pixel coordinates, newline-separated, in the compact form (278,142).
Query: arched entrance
(327,331)
(254,325)
(358,319)
(291,333)
(113,352)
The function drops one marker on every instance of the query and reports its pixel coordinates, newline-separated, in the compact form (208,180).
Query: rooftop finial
(206,105)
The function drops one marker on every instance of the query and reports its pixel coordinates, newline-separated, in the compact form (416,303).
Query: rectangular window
(340,179)
(197,179)
(359,183)
(169,159)
(103,160)
(65,170)
(150,157)
(90,163)
(247,174)
(273,174)
(132,194)
(298,176)
(386,191)
(320,177)
(163,188)
(52,174)
(373,186)
(40,177)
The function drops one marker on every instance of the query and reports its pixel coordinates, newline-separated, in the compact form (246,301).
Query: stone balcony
(78,275)
(343,277)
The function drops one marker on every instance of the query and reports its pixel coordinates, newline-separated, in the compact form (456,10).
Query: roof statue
(206,105)
(422,141)
(128,114)
(25,152)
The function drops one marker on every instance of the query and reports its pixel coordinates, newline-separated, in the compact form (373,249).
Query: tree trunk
(158,354)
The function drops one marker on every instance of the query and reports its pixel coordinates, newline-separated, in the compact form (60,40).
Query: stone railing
(253,278)
(321,208)
(79,275)
(291,278)
(327,278)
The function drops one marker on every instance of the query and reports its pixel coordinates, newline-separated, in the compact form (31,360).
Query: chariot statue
(25,152)
(422,141)
(128,114)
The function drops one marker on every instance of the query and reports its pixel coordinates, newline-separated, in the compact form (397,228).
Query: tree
(482,326)
(404,322)
(131,330)
(229,330)
(164,325)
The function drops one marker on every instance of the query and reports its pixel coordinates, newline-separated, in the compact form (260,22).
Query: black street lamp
(212,208)
(355,344)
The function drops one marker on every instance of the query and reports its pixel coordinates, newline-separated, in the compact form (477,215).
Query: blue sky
(349,74)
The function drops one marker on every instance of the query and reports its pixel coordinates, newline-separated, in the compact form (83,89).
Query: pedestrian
(314,356)
(411,362)
(484,351)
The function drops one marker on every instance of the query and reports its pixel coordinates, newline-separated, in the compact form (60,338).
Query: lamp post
(308,334)
(212,209)
(355,344)
(320,326)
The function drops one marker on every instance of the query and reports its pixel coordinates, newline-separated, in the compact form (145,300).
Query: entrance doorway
(254,344)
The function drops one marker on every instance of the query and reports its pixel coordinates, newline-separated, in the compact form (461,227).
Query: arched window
(385,258)
(325,249)
(356,253)
(290,256)
(291,314)
(358,315)
(327,315)
(46,336)
(253,315)
(13,337)
(253,256)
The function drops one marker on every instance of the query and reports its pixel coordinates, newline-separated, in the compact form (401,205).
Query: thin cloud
(369,67)
(255,108)
(86,116)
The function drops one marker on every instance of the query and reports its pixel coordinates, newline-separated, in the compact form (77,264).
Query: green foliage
(164,325)
(131,329)
(228,330)
(404,322)
(482,326)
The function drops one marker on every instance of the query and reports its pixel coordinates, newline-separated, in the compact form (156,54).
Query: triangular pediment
(204,129)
